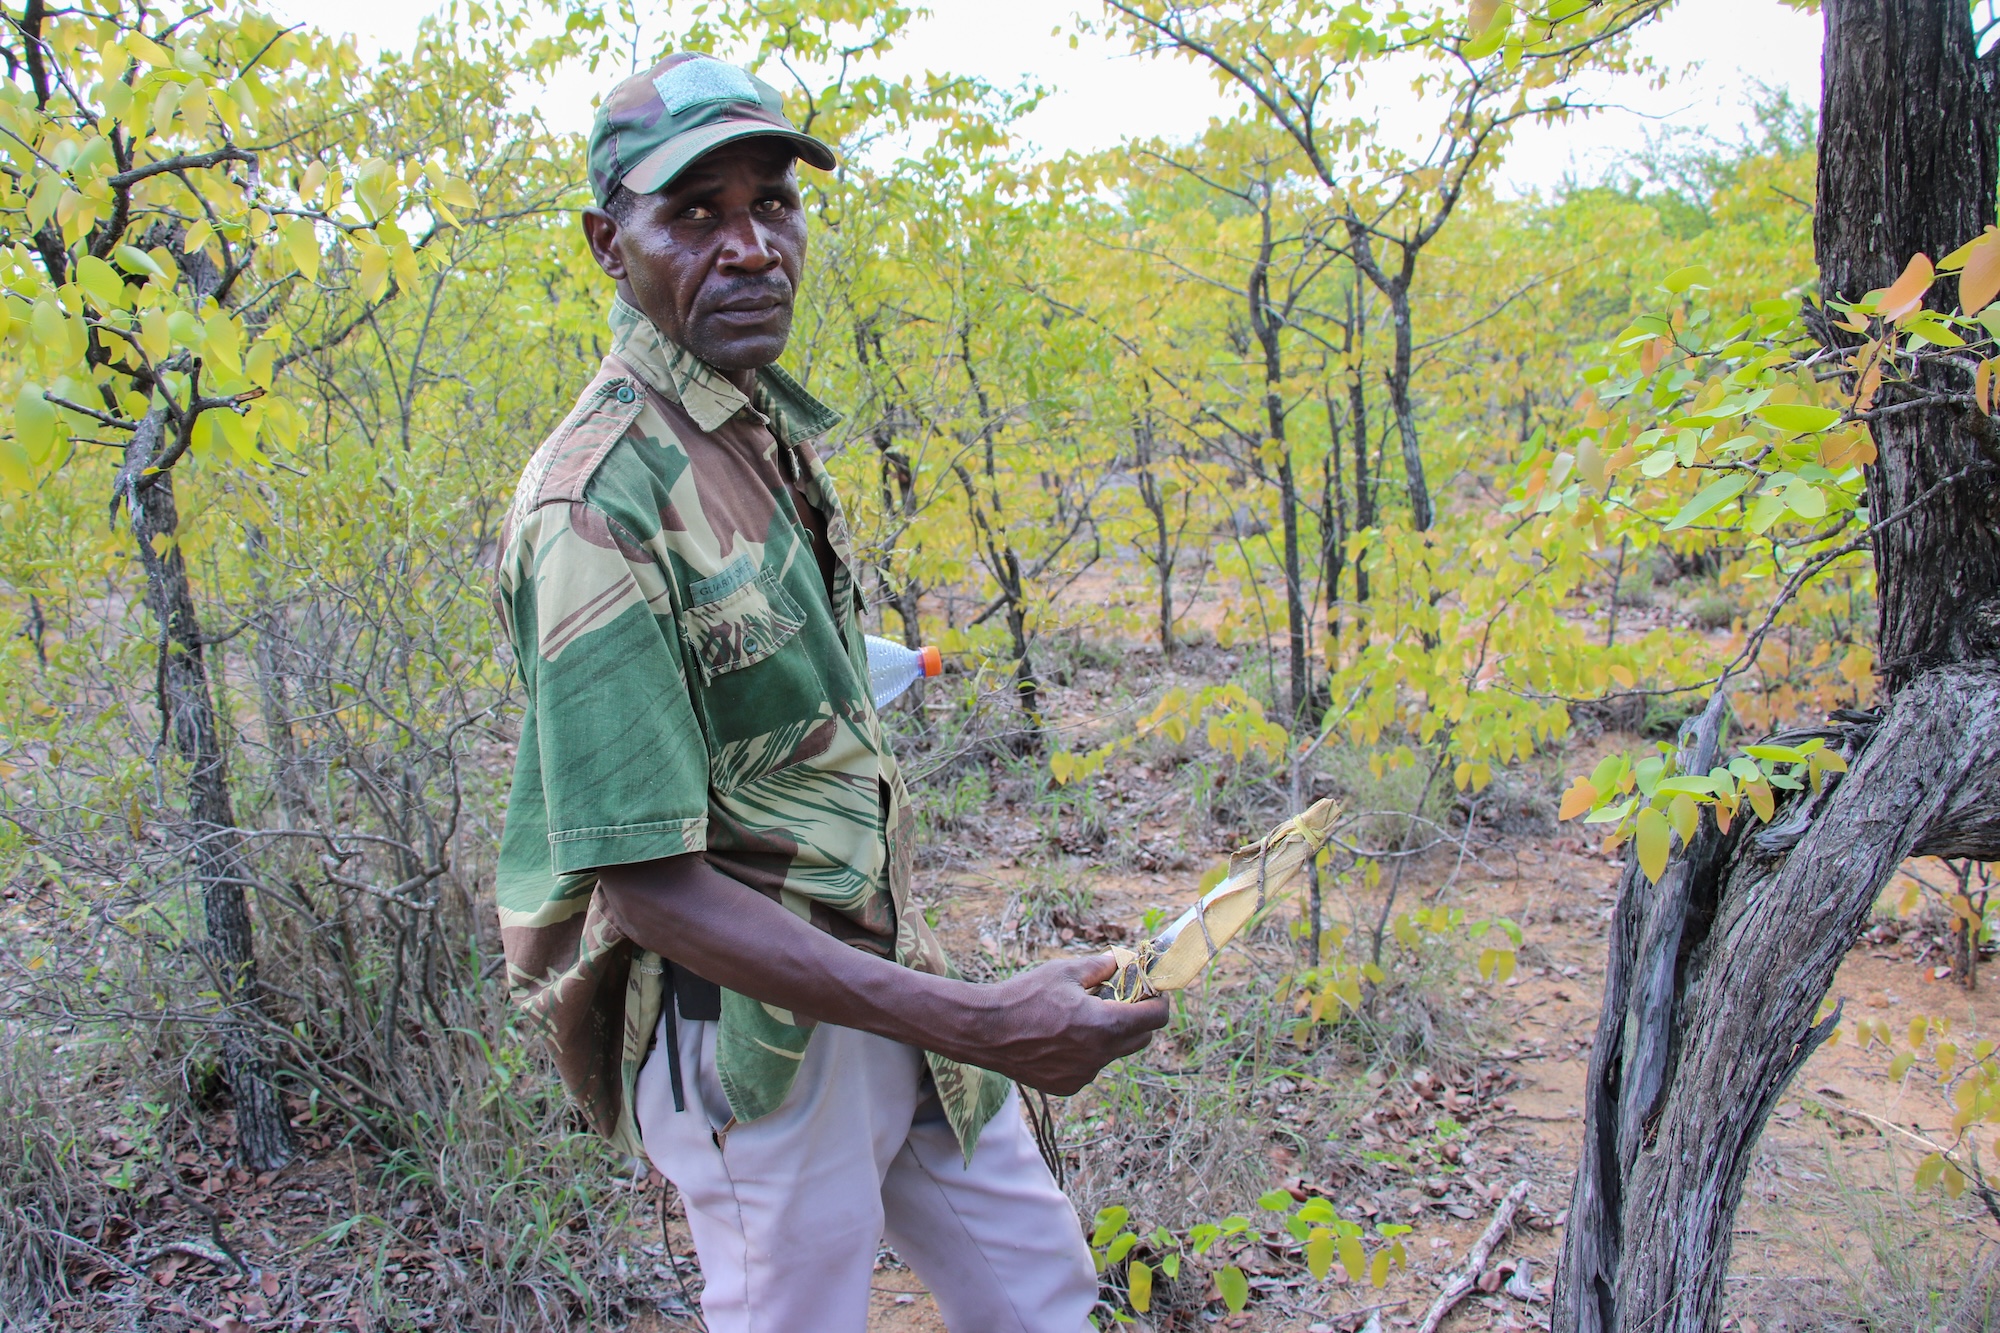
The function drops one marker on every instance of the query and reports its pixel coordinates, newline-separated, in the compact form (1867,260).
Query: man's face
(714,258)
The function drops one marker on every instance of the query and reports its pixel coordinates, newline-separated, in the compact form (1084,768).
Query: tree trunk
(1357,413)
(1333,520)
(1421,516)
(1717,973)
(1715,978)
(187,707)
(1154,497)
(1264,322)
(1909,158)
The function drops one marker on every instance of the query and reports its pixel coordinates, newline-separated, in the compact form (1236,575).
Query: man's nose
(747,246)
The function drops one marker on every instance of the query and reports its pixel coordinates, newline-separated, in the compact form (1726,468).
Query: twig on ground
(1475,1263)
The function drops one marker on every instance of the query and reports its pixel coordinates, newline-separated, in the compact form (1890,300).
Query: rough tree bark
(1717,973)
(264,1139)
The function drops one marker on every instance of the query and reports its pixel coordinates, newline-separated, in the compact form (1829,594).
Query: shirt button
(749,645)
(625,394)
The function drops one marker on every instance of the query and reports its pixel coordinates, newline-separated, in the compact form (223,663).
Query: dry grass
(1883,1259)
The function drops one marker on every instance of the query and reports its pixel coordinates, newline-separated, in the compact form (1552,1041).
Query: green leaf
(1805,499)
(1798,418)
(1109,1222)
(1932,328)
(101,281)
(1776,754)
(1235,1288)
(1683,278)
(1275,1201)
(134,260)
(1708,499)
(1486,40)
(1655,838)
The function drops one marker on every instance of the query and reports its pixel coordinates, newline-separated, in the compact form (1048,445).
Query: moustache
(773,286)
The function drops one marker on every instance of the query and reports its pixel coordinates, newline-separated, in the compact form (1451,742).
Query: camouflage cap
(654,125)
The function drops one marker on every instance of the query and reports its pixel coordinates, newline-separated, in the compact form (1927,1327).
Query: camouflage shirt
(696,682)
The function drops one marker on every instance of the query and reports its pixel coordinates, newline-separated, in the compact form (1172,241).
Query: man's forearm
(722,930)
(1042,1027)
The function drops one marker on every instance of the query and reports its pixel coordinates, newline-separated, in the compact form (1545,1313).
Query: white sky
(1721,50)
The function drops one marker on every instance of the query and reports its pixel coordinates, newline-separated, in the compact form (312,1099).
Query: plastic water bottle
(892,668)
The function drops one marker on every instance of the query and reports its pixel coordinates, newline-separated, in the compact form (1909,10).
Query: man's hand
(1050,1032)
(1043,1028)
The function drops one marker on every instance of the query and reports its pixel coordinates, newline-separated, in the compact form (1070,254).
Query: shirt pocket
(738,618)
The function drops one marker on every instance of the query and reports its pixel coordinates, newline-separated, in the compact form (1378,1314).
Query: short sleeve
(621,764)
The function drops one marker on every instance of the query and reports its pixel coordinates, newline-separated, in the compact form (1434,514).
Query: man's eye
(771,206)
(697,213)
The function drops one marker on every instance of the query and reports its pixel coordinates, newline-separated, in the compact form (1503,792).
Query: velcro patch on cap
(696,82)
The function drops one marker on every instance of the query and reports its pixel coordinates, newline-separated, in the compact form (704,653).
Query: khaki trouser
(787,1211)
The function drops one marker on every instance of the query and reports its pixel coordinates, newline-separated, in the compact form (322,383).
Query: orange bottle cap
(933,660)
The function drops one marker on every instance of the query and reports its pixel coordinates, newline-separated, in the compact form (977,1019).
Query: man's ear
(600,229)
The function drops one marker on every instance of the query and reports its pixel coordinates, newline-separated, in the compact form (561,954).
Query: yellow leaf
(197,236)
(1378,1269)
(1919,1029)
(1761,800)
(45,321)
(404,260)
(1905,296)
(14,469)
(1654,840)
(1590,464)
(1980,282)
(374,268)
(302,243)
(1682,814)
(1947,1056)
(236,432)
(1319,1253)
(1139,1285)
(34,425)
(262,362)
(1353,1258)
(1579,798)
(1929,1170)
(1623,675)
(155,338)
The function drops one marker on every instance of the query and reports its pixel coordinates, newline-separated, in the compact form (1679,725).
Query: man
(704,881)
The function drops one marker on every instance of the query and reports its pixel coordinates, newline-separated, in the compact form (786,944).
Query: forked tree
(1718,971)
